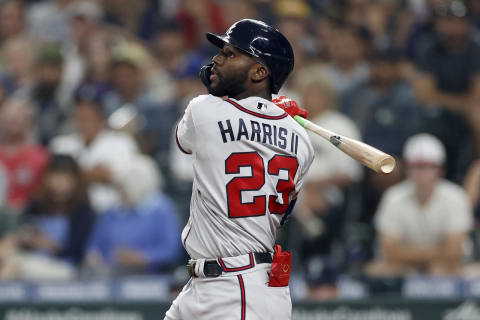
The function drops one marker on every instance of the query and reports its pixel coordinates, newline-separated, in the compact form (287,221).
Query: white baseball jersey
(250,160)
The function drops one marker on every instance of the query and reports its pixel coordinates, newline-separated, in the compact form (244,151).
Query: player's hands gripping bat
(290,106)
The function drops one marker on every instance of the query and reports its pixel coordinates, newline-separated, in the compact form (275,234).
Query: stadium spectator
(385,109)
(446,80)
(84,25)
(323,32)
(347,51)
(8,245)
(386,20)
(130,89)
(455,47)
(292,17)
(59,219)
(51,100)
(150,77)
(169,47)
(233,11)
(94,146)
(187,81)
(472,187)
(422,222)
(12,19)
(383,102)
(138,18)
(17,74)
(141,235)
(23,160)
(196,17)
(474,7)
(3,186)
(48,20)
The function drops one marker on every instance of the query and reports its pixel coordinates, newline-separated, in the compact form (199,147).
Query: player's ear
(260,72)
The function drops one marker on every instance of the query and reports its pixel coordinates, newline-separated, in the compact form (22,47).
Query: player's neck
(254,93)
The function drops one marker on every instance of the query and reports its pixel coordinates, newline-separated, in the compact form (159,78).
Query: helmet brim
(220,41)
(216,39)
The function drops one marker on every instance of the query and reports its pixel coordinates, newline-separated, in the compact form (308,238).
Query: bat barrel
(362,152)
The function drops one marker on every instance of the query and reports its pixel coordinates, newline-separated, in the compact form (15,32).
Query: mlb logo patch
(262,106)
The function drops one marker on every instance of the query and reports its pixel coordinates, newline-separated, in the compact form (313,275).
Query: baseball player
(250,158)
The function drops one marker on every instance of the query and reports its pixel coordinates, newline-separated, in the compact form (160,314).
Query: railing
(145,298)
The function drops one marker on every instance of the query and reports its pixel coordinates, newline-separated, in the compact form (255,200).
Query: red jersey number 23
(255,181)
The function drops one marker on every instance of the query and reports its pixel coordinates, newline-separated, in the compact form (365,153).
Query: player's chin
(215,90)
(213,82)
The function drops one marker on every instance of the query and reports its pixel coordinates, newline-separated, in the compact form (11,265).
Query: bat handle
(302,121)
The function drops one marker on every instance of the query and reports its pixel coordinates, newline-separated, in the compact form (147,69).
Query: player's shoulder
(204,99)
(198,106)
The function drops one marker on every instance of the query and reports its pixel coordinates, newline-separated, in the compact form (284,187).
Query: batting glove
(290,106)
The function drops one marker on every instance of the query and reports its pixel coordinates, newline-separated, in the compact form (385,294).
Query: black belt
(213,269)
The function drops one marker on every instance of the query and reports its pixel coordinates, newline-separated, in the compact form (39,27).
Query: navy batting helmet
(262,41)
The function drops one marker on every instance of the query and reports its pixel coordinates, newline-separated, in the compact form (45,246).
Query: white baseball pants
(237,295)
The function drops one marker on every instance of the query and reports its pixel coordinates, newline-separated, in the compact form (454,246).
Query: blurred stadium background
(94,193)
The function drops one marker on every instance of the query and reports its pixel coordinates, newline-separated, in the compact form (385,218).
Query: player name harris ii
(259,132)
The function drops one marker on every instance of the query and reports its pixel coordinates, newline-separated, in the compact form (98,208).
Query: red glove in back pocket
(280,272)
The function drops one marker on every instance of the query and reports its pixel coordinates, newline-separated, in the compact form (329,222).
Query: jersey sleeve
(185,131)
(308,156)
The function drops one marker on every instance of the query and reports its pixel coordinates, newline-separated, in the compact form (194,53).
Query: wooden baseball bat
(367,155)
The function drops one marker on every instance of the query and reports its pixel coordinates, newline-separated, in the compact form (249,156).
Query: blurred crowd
(92,184)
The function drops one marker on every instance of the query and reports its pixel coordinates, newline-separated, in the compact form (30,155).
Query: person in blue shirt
(58,220)
(142,234)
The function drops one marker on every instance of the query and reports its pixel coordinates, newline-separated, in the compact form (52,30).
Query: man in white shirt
(422,222)
(96,148)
